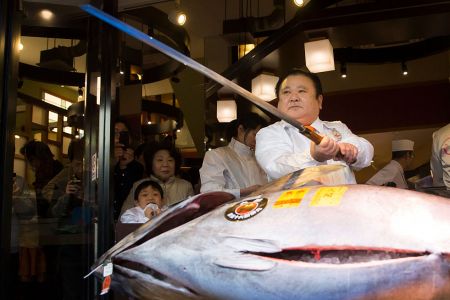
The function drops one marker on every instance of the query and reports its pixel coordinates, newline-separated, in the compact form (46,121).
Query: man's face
(118,128)
(297,98)
(77,167)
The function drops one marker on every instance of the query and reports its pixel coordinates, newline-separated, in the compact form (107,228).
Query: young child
(149,203)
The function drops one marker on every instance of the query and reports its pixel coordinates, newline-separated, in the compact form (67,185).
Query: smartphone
(124,139)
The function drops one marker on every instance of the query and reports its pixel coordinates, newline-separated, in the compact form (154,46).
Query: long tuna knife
(187,61)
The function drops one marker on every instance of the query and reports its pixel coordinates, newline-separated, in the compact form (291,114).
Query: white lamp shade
(226,110)
(319,56)
(263,86)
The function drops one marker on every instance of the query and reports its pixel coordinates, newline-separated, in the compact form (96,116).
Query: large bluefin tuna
(292,241)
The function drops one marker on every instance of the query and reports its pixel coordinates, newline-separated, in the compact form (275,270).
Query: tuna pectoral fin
(245,262)
(243,244)
(239,257)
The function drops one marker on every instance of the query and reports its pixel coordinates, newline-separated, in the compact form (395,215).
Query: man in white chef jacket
(393,174)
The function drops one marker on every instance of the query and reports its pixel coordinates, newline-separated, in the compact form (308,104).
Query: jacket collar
(240,148)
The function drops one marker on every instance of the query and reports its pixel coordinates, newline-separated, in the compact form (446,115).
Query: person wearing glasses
(393,174)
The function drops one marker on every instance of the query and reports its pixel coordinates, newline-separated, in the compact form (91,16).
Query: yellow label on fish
(328,196)
(290,198)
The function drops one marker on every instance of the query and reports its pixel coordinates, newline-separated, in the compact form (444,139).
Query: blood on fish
(316,254)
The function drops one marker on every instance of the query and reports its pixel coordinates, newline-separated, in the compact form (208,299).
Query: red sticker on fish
(246,209)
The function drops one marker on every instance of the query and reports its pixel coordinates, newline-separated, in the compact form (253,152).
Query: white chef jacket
(281,149)
(440,157)
(230,169)
(137,214)
(134,215)
(392,172)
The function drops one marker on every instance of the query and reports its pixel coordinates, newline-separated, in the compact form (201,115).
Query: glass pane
(55,150)
(65,104)
(19,167)
(52,117)
(38,136)
(38,115)
(53,135)
(66,142)
(19,141)
(52,99)
(67,129)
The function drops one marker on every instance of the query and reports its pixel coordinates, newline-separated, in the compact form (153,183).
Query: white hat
(402,145)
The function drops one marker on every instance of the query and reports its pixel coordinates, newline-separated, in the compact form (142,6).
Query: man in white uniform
(233,168)
(282,149)
(393,174)
(440,157)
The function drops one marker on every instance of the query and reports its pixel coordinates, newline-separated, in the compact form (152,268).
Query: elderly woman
(163,163)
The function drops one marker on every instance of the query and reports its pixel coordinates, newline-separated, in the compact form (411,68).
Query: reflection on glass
(65,145)
(19,142)
(55,150)
(38,115)
(37,136)
(67,129)
(52,117)
(53,134)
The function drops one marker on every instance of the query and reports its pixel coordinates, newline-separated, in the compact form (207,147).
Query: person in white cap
(393,174)
(440,157)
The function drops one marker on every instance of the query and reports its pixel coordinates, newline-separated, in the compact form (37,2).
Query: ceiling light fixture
(299,2)
(263,86)
(226,110)
(46,14)
(343,70)
(404,69)
(319,56)
(80,94)
(177,16)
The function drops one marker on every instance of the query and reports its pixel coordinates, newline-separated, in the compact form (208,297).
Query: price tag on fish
(328,196)
(290,198)
(107,269)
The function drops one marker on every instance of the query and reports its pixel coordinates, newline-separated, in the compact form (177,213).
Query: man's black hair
(400,154)
(249,121)
(314,78)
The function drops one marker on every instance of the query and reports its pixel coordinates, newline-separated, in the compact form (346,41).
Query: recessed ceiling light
(46,14)
(181,19)
(298,2)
